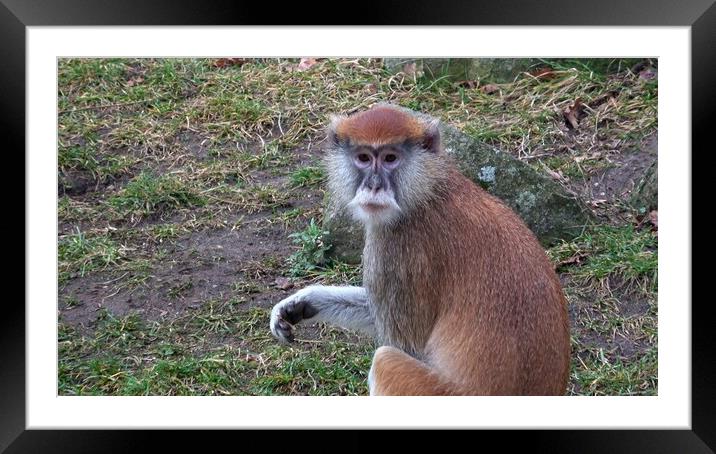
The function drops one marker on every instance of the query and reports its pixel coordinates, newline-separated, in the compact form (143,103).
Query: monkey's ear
(431,137)
(332,135)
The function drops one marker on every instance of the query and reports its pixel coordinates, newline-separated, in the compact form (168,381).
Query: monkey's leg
(395,373)
(347,307)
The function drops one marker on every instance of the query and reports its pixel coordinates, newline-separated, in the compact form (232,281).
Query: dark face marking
(378,165)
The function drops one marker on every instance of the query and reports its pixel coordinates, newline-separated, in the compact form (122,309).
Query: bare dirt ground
(200,265)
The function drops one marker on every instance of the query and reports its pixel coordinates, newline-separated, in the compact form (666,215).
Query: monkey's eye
(390,160)
(363,160)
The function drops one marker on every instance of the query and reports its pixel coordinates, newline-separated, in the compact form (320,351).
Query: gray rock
(501,70)
(344,235)
(405,65)
(497,70)
(550,212)
(545,206)
(454,69)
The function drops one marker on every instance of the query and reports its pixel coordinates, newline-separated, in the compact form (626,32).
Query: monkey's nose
(374,182)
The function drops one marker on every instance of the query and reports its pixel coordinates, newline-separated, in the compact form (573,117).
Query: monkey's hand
(289,312)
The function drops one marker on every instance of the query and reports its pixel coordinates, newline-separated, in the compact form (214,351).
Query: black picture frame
(16,15)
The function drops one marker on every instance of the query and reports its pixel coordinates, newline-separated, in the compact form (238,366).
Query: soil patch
(617,181)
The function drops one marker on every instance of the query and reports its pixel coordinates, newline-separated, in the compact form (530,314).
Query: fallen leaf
(573,260)
(306,63)
(224,62)
(544,73)
(489,89)
(654,219)
(283,283)
(573,113)
(134,81)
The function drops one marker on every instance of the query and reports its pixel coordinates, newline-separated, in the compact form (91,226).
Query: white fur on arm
(344,306)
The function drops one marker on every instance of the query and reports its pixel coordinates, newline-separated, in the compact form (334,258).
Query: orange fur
(378,126)
(399,374)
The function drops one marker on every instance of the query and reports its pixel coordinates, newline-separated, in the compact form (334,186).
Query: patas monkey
(457,290)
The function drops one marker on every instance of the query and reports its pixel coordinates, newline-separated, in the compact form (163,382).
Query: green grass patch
(611,250)
(126,356)
(85,158)
(77,157)
(72,301)
(266,197)
(308,176)
(162,232)
(269,157)
(93,74)
(338,369)
(148,193)
(599,373)
(126,83)
(228,114)
(80,254)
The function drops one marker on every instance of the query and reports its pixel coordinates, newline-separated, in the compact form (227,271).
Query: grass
(174,157)
(163,232)
(172,358)
(599,375)
(85,159)
(612,275)
(148,193)
(612,251)
(308,176)
(79,254)
(270,156)
(344,374)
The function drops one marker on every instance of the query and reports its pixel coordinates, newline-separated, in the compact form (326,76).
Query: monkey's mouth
(373,207)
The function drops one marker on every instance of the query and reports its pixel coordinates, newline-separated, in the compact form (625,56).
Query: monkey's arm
(347,307)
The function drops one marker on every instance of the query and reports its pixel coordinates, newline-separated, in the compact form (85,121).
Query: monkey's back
(472,293)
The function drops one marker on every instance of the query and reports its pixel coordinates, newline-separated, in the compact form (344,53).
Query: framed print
(176,204)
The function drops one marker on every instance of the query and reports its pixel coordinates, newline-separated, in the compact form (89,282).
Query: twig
(226,201)
(114,280)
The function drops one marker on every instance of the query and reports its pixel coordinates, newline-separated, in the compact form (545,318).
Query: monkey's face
(375,170)
(383,163)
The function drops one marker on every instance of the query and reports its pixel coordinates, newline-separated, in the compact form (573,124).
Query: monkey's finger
(284,325)
(284,330)
(293,312)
